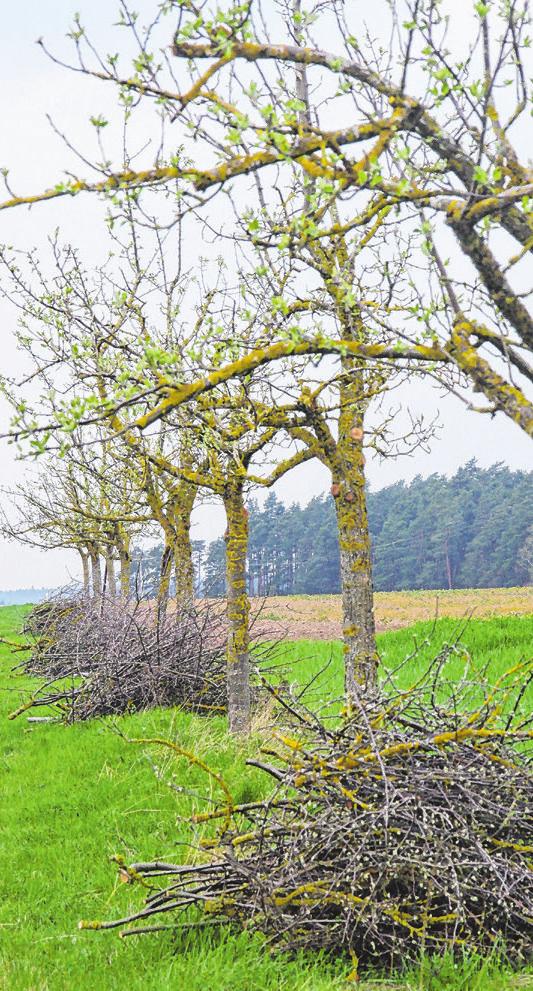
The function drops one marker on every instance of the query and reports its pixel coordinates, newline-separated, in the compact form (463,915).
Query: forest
(473,530)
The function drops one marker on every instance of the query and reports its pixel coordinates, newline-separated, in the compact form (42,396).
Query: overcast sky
(33,87)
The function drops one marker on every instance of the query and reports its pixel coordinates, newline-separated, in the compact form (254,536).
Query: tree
(462,532)
(86,501)
(232,444)
(105,332)
(472,530)
(432,129)
(215,568)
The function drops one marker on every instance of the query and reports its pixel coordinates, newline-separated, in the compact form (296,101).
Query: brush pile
(407,829)
(107,658)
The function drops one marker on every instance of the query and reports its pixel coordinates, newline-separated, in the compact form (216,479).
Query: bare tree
(86,502)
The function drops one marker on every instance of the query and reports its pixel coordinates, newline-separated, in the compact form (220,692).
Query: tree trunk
(345,459)
(238,607)
(183,560)
(164,576)
(96,572)
(360,652)
(174,517)
(448,564)
(123,547)
(86,577)
(110,573)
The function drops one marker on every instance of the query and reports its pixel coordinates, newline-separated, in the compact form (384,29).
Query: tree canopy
(376,205)
(408,135)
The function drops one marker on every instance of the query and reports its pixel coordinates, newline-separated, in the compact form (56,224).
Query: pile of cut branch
(408,829)
(109,658)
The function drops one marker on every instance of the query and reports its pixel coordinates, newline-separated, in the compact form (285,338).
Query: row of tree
(365,232)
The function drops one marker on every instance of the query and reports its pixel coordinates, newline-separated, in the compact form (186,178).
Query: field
(73,796)
(319,617)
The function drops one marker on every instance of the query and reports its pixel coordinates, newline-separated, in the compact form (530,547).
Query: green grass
(73,796)
(500,643)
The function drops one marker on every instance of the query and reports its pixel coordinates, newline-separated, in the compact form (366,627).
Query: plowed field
(316,617)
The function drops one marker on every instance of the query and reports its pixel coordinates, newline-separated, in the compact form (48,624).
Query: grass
(500,642)
(73,796)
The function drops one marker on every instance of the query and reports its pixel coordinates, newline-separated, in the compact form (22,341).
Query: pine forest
(474,530)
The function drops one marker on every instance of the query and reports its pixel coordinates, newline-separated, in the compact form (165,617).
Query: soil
(316,617)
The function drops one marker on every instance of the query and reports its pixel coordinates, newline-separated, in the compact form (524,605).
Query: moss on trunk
(238,657)
(360,653)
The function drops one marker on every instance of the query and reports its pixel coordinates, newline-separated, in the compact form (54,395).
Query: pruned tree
(115,347)
(333,410)
(86,501)
(230,434)
(131,332)
(419,133)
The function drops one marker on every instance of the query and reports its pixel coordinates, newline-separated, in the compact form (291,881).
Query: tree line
(472,530)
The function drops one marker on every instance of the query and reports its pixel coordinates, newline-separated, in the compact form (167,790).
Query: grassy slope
(72,796)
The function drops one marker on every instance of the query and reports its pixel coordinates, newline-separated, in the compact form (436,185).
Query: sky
(32,87)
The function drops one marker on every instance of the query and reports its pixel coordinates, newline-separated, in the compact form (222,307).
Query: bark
(345,459)
(123,548)
(96,572)
(238,607)
(164,576)
(360,653)
(111,581)
(183,561)
(174,517)
(86,576)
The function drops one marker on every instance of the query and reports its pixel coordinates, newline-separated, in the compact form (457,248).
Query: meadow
(73,796)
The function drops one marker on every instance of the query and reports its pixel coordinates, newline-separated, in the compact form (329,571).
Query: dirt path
(316,617)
